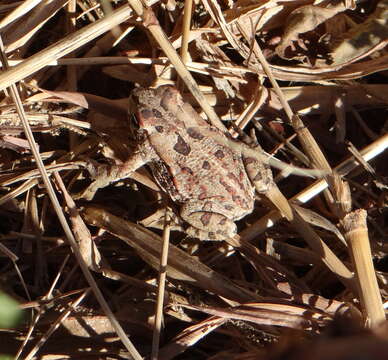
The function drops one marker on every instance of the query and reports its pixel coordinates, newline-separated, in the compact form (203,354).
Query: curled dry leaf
(304,19)
(271,314)
(363,39)
(189,337)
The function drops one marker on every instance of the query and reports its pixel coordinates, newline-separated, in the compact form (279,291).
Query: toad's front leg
(104,175)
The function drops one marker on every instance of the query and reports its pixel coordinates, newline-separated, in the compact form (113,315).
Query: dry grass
(115,277)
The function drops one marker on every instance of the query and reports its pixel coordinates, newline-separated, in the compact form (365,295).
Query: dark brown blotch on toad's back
(194,133)
(187,170)
(203,192)
(181,146)
(157,114)
(222,221)
(206,165)
(219,154)
(227,187)
(205,219)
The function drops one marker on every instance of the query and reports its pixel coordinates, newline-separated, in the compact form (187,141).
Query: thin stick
(161,288)
(71,26)
(185,37)
(186,30)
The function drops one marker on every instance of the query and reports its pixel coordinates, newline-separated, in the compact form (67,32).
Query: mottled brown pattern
(191,162)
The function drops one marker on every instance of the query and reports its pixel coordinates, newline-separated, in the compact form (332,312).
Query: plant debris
(305,80)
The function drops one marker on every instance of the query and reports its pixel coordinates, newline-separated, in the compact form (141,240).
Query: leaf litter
(279,287)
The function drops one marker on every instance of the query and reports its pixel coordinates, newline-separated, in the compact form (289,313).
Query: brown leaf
(304,19)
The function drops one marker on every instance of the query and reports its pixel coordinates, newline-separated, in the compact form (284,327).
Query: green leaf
(10,312)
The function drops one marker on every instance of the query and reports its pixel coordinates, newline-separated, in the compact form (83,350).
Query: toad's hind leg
(259,173)
(205,224)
